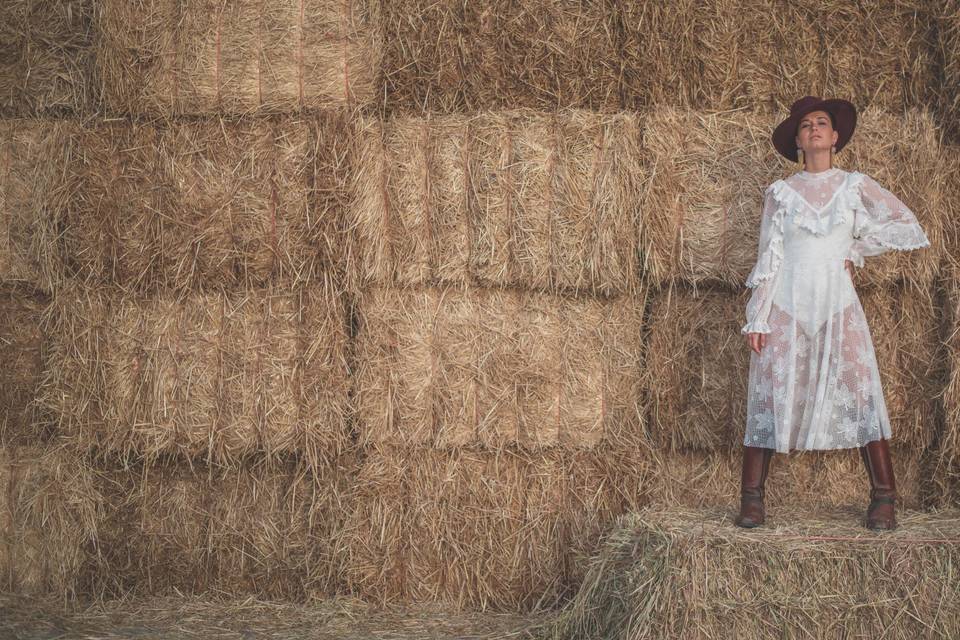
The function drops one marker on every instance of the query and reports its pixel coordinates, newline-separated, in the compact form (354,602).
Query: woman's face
(815,132)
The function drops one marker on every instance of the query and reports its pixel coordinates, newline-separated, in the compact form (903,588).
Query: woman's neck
(817,161)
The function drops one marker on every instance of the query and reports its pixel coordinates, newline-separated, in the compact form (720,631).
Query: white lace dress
(815,384)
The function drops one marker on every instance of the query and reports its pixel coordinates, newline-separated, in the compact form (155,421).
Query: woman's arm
(883,224)
(763,276)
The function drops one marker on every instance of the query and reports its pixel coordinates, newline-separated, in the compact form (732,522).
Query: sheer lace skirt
(816,383)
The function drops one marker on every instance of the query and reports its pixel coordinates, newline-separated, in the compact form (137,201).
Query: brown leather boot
(756,463)
(883,490)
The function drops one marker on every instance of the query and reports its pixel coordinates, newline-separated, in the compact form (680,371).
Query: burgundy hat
(844,122)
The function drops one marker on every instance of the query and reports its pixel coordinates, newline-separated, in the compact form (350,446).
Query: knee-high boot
(883,490)
(756,463)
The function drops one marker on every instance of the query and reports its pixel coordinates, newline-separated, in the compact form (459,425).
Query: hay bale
(494,368)
(948,29)
(811,479)
(204,204)
(21,342)
(165,58)
(33,154)
(698,364)
(698,369)
(525,198)
(708,172)
(763,53)
(214,376)
(45,57)
(263,530)
(947,450)
(48,514)
(482,530)
(677,572)
(454,57)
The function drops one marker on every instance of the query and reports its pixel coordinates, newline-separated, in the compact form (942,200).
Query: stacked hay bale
(948,27)
(46,57)
(198,342)
(701,207)
(499,358)
(449,56)
(828,579)
(195,338)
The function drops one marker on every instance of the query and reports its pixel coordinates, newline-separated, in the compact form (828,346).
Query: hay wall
(209,376)
(469,529)
(21,344)
(449,57)
(821,578)
(32,156)
(205,204)
(948,28)
(519,197)
(164,58)
(48,513)
(493,368)
(765,53)
(455,57)
(709,171)
(264,530)
(45,57)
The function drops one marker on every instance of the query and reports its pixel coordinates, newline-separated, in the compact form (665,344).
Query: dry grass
(525,198)
(178,618)
(165,58)
(483,530)
(766,54)
(494,368)
(607,55)
(454,57)
(808,479)
(33,154)
(45,57)
(211,204)
(212,376)
(49,511)
(708,172)
(21,344)
(692,574)
(948,28)
(263,530)
(947,475)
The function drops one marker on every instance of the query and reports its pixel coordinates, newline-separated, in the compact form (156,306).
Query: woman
(813,379)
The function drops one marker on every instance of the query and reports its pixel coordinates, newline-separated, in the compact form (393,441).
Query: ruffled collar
(818,175)
(820,221)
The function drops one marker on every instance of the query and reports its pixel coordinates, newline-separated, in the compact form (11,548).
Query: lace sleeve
(883,223)
(763,276)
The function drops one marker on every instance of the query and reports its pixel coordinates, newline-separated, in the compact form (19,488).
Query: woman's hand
(757,341)
(849,265)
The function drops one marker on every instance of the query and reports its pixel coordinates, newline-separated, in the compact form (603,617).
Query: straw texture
(518,197)
(21,344)
(194,205)
(493,368)
(674,572)
(211,376)
(46,57)
(264,530)
(499,531)
(163,57)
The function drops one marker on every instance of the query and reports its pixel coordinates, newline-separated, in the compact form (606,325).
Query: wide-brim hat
(844,122)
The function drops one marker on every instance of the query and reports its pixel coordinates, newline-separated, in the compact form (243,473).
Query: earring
(833,150)
(800,159)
